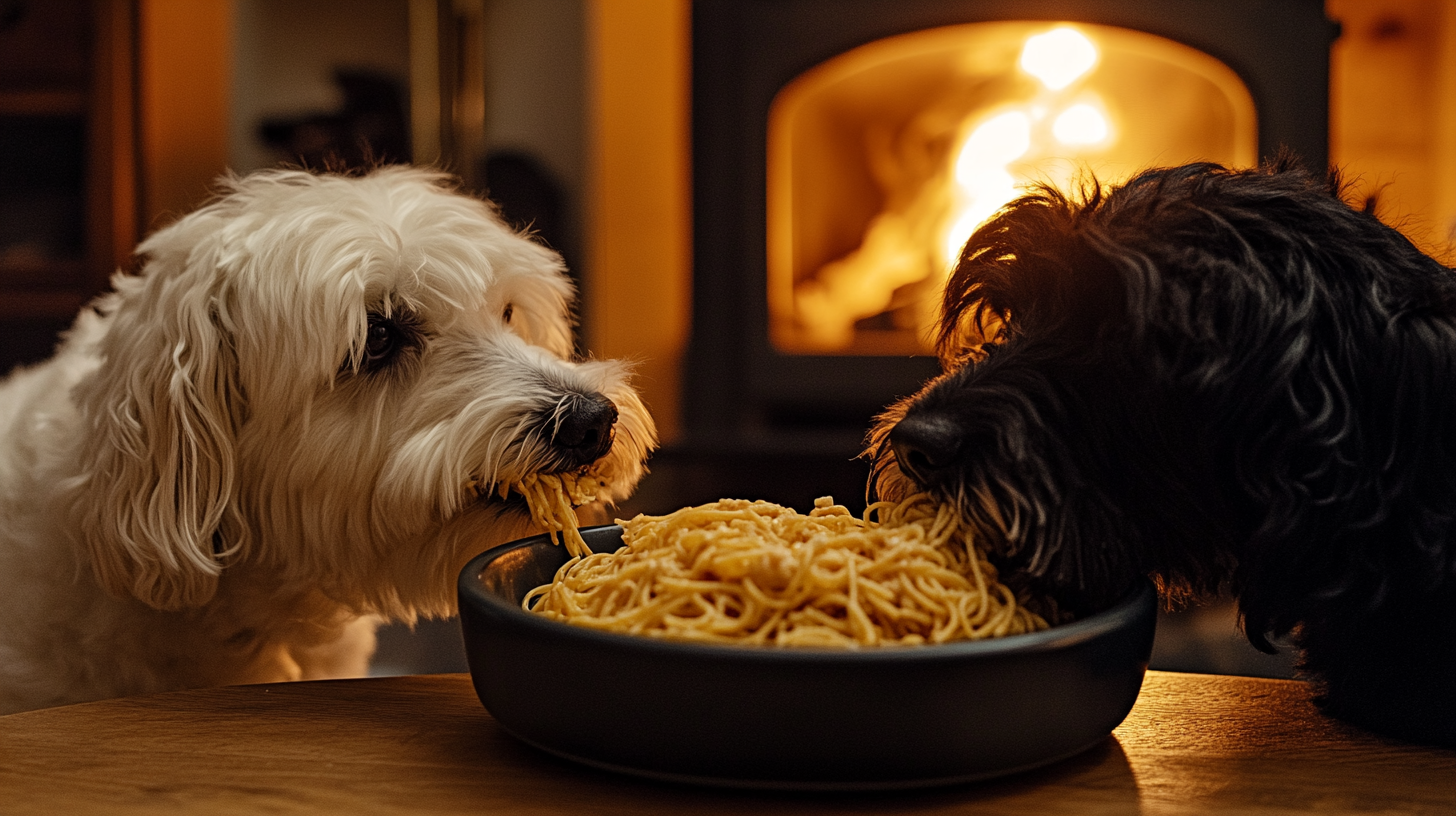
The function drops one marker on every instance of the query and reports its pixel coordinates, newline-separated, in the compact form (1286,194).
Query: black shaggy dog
(1222,379)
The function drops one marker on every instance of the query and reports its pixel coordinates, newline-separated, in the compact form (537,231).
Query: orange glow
(884,160)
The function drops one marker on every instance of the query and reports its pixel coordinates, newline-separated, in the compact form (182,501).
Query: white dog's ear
(163,409)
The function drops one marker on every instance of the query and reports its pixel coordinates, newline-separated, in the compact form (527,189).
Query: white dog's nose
(584,433)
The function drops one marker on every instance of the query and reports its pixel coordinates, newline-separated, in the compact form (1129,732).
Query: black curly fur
(1221,379)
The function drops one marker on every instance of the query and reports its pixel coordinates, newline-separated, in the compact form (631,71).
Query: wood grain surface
(1194,744)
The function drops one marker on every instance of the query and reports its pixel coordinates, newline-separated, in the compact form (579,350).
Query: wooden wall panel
(185,76)
(639,271)
(1393,111)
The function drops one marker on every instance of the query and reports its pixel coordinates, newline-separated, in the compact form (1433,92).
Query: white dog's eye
(388,339)
(510,310)
(382,342)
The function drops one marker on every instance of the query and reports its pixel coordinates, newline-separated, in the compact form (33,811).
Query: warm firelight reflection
(1001,106)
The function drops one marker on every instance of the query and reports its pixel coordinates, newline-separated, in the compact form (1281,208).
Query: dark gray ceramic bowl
(792,718)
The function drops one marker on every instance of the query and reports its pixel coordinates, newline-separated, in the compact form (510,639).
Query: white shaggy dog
(289,426)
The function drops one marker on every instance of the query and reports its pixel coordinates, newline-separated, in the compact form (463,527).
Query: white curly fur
(208,484)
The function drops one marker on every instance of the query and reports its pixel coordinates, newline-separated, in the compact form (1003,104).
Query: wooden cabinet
(67,162)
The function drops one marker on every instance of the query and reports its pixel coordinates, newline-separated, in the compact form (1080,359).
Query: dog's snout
(925,446)
(584,433)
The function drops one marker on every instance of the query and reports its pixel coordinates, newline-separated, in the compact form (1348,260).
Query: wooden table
(1194,744)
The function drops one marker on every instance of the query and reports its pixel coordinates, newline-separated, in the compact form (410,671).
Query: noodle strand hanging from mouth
(553,498)
(736,571)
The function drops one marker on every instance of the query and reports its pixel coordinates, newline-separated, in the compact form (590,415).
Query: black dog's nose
(925,446)
(584,432)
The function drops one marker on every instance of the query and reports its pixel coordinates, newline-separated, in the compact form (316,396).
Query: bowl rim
(1068,634)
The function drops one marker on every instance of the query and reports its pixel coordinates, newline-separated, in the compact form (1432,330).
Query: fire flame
(984,175)
(1058,57)
(1001,152)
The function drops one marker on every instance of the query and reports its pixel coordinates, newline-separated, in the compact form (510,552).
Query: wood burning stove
(770,76)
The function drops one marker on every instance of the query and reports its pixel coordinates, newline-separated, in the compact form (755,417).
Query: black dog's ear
(1032,270)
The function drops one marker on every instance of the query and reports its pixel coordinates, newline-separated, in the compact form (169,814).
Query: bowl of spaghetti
(745,644)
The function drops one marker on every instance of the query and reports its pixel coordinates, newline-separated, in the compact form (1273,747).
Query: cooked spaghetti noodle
(553,499)
(746,572)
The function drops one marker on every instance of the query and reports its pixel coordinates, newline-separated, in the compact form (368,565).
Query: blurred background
(757,199)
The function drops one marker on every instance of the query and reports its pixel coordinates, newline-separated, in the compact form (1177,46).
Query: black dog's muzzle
(927,448)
